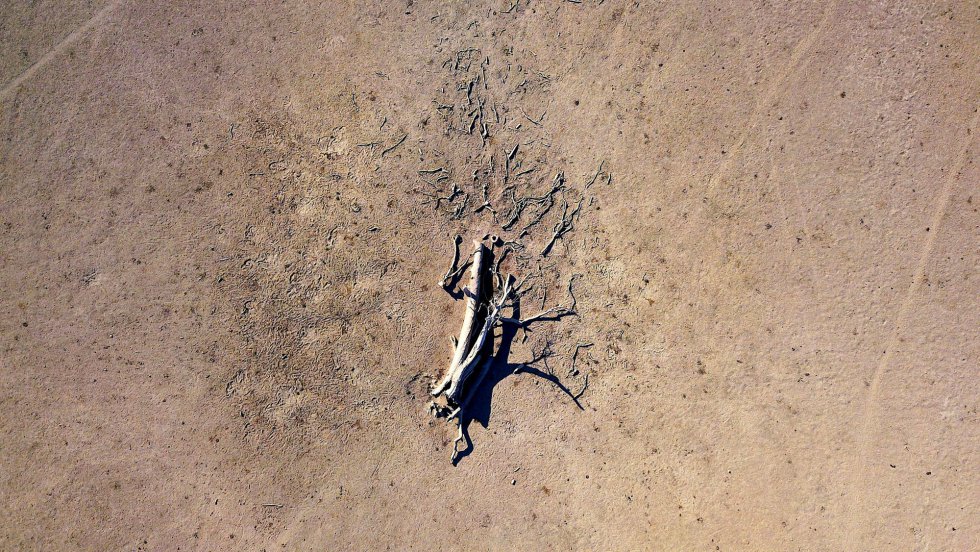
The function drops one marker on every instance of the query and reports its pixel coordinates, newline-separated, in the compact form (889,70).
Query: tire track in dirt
(72,37)
(796,62)
(869,413)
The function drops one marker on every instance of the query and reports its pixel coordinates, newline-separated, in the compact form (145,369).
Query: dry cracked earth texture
(221,233)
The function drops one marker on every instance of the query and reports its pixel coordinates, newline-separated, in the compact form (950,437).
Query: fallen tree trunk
(469,319)
(477,380)
(465,368)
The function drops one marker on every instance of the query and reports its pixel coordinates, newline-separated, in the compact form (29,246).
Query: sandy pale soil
(219,316)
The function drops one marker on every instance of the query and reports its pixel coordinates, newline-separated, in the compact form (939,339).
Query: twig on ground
(585,386)
(539,217)
(392,148)
(571,293)
(486,201)
(538,122)
(555,312)
(564,226)
(595,176)
(521,204)
(460,437)
(453,266)
(461,208)
(433,198)
(572,371)
(500,259)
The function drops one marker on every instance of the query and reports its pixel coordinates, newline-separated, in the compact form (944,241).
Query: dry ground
(218,316)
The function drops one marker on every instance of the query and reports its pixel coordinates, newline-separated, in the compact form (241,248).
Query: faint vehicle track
(72,37)
(869,413)
(795,63)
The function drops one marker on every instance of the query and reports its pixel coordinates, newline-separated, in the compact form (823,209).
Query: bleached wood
(466,331)
(465,368)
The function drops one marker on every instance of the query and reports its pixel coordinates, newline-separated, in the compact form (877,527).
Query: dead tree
(473,354)
(466,331)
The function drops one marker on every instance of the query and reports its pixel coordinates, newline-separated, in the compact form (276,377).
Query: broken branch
(452,267)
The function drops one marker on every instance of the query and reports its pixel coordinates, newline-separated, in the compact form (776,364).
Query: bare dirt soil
(219,249)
